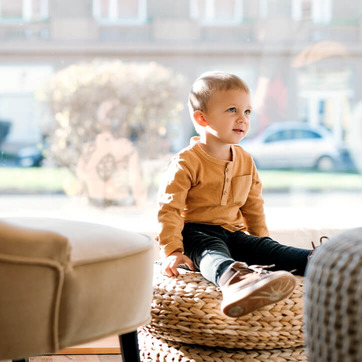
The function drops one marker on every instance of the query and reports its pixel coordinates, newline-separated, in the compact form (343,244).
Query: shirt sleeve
(253,208)
(174,187)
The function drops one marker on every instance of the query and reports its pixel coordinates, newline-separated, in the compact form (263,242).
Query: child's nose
(242,118)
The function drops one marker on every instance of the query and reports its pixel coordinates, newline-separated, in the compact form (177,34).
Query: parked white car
(298,145)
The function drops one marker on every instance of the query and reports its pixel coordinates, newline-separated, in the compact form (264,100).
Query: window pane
(104,8)
(217,10)
(321,11)
(200,10)
(303,134)
(128,9)
(306,9)
(279,8)
(225,9)
(116,10)
(39,9)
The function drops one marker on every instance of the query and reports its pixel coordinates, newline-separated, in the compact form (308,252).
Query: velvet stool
(65,283)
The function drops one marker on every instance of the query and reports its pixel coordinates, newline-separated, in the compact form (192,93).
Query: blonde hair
(206,85)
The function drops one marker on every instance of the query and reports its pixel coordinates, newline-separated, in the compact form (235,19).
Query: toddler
(211,209)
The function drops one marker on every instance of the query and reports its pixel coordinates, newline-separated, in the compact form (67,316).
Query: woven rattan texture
(157,349)
(333,300)
(187,309)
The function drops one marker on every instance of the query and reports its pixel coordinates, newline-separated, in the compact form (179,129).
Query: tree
(134,101)
(129,101)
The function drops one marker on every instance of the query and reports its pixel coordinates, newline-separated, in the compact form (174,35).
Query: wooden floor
(78,358)
(104,350)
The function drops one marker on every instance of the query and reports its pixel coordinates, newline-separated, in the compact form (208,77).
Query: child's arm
(170,264)
(253,209)
(174,187)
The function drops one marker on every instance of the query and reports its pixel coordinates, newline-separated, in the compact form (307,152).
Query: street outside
(339,210)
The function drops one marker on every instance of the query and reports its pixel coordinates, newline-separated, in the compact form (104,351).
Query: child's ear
(200,119)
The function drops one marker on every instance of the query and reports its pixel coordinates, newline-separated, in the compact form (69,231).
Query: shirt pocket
(240,187)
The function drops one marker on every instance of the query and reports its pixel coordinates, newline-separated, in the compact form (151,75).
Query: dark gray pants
(213,248)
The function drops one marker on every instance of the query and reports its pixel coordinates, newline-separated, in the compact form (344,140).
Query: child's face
(228,115)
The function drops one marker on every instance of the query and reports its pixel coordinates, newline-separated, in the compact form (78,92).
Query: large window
(28,10)
(120,11)
(95,93)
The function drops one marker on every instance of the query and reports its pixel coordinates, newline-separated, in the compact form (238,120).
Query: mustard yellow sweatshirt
(199,188)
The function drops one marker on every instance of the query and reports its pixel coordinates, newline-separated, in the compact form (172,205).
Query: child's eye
(247,112)
(232,110)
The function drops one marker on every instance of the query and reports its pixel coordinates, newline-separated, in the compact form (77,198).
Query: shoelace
(260,269)
(320,241)
(242,270)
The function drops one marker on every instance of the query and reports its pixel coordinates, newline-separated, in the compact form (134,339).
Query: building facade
(301,58)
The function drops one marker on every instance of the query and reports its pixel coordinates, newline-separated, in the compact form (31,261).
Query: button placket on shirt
(227,182)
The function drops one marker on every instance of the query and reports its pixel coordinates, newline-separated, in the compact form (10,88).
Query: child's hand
(170,264)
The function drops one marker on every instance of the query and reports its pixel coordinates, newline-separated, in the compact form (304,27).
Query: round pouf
(159,350)
(333,300)
(187,309)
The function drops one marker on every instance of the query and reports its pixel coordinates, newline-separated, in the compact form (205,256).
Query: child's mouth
(238,131)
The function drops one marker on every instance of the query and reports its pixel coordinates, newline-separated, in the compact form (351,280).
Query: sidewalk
(283,210)
(139,219)
(340,210)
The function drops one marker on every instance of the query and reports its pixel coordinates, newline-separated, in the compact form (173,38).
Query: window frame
(321,11)
(114,19)
(211,18)
(27,11)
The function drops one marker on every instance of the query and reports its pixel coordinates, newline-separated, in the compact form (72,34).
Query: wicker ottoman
(333,300)
(155,349)
(186,309)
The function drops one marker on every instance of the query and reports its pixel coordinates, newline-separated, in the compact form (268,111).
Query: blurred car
(24,156)
(27,156)
(298,145)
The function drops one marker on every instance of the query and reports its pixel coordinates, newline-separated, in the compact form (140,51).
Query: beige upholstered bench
(65,283)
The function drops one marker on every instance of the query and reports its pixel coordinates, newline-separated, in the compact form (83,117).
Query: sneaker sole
(267,291)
